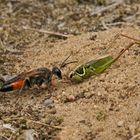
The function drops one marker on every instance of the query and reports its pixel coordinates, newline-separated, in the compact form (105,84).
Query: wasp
(26,80)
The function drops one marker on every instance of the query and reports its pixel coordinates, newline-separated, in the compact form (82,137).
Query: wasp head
(57,72)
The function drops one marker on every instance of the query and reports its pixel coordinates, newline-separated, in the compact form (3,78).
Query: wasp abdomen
(13,86)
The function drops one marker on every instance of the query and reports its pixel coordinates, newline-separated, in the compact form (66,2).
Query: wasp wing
(33,73)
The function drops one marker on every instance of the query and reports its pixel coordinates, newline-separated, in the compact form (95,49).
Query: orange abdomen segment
(18,84)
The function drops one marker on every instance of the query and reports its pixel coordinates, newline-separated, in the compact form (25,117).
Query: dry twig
(104,9)
(135,137)
(36,122)
(47,32)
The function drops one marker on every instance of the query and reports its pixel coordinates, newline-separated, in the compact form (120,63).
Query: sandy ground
(106,107)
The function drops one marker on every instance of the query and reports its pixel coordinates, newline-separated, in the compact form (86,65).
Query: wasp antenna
(63,64)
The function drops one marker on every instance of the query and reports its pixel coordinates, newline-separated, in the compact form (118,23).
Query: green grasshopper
(98,65)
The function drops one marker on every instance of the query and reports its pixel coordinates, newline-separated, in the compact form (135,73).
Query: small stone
(88,95)
(132,129)
(95,106)
(93,37)
(70,98)
(120,123)
(52,111)
(99,93)
(28,135)
(80,95)
(48,102)
(63,92)
(82,121)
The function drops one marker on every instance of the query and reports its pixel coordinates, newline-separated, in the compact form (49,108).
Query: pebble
(88,95)
(132,129)
(80,95)
(52,111)
(82,121)
(48,102)
(120,123)
(70,98)
(27,135)
(99,93)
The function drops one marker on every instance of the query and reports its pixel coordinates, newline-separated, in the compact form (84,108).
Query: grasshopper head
(57,72)
(75,77)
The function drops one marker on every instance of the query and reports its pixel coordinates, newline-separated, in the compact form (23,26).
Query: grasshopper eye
(71,75)
(57,72)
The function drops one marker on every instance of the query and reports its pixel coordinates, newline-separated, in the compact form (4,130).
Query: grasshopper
(98,65)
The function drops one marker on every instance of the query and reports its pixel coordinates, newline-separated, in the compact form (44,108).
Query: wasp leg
(26,85)
(1,81)
(47,85)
